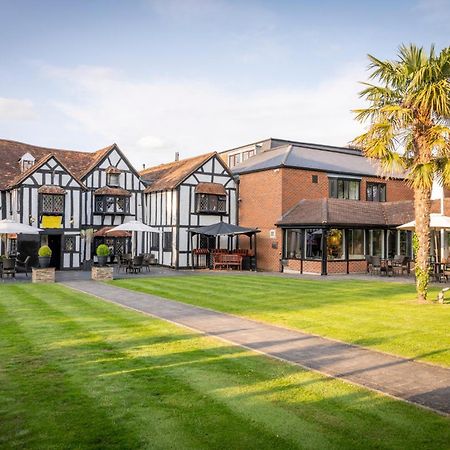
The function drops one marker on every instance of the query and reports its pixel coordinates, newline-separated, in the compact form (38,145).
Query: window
(167,242)
(113,179)
(376,240)
(293,248)
(112,205)
(234,159)
(315,179)
(356,244)
(344,188)
(335,244)
(52,204)
(376,192)
(69,243)
(406,243)
(313,243)
(154,241)
(211,204)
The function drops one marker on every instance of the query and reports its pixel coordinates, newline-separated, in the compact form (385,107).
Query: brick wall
(268,194)
(260,206)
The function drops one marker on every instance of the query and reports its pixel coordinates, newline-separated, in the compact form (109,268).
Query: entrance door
(28,245)
(54,242)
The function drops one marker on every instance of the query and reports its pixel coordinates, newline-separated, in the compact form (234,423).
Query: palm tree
(408,113)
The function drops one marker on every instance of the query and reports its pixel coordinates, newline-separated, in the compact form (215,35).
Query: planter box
(40,275)
(102,273)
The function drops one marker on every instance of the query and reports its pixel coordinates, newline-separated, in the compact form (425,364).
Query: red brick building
(320,209)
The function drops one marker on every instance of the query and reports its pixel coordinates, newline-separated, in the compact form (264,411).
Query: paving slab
(424,384)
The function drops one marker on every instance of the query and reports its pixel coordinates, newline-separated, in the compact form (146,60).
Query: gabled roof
(170,175)
(77,163)
(337,212)
(311,157)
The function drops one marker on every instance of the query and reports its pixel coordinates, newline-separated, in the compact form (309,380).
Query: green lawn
(375,314)
(76,372)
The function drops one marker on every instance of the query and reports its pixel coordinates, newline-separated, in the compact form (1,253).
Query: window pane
(356,244)
(335,244)
(333,187)
(99,204)
(376,242)
(293,244)
(382,192)
(353,190)
(313,243)
(110,204)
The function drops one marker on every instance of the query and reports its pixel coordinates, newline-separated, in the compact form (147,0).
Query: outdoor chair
(146,261)
(23,266)
(376,266)
(136,264)
(368,259)
(124,262)
(8,267)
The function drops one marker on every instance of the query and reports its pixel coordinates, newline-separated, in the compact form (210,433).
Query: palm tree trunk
(422,207)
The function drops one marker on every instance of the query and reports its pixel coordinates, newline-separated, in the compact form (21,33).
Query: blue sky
(195,75)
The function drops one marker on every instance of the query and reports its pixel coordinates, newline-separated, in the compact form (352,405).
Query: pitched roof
(106,190)
(170,175)
(337,212)
(77,163)
(210,188)
(311,156)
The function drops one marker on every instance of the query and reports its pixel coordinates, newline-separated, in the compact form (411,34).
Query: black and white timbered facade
(73,196)
(186,194)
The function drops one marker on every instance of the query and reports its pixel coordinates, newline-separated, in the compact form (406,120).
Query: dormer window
(26,162)
(113,176)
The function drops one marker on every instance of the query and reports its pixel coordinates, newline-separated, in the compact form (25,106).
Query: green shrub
(45,251)
(102,250)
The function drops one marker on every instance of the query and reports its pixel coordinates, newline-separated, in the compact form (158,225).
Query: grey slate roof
(311,156)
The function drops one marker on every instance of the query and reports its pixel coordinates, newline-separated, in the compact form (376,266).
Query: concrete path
(419,383)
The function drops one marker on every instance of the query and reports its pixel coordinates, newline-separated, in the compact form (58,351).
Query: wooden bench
(225,261)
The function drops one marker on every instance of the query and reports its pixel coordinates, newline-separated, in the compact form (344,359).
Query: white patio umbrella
(8,226)
(437,222)
(134,226)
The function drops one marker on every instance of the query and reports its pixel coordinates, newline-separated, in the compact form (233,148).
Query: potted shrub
(45,253)
(102,254)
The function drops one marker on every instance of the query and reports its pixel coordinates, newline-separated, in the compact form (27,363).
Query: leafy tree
(408,113)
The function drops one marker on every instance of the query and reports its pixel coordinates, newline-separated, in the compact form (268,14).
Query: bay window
(107,204)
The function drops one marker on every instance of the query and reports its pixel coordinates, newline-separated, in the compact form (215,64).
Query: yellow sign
(51,222)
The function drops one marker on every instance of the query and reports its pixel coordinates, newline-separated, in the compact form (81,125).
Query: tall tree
(408,113)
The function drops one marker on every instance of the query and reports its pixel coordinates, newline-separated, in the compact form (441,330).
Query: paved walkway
(420,383)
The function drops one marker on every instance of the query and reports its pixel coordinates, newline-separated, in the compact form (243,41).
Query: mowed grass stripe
(129,381)
(379,315)
(165,424)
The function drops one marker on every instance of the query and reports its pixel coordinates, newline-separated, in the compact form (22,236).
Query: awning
(48,189)
(223,229)
(210,188)
(112,169)
(8,226)
(106,190)
(115,234)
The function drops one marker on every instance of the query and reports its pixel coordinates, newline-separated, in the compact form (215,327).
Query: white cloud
(16,109)
(151,120)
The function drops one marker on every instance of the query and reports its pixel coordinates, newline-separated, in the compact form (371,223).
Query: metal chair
(8,267)
(23,266)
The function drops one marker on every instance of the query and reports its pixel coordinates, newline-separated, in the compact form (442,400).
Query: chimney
(177,156)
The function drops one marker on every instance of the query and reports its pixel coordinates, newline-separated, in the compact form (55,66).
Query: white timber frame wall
(174,211)
(24,206)
(97,178)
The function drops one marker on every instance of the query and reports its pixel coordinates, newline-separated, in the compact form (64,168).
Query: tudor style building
(73,196)
(184,194)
